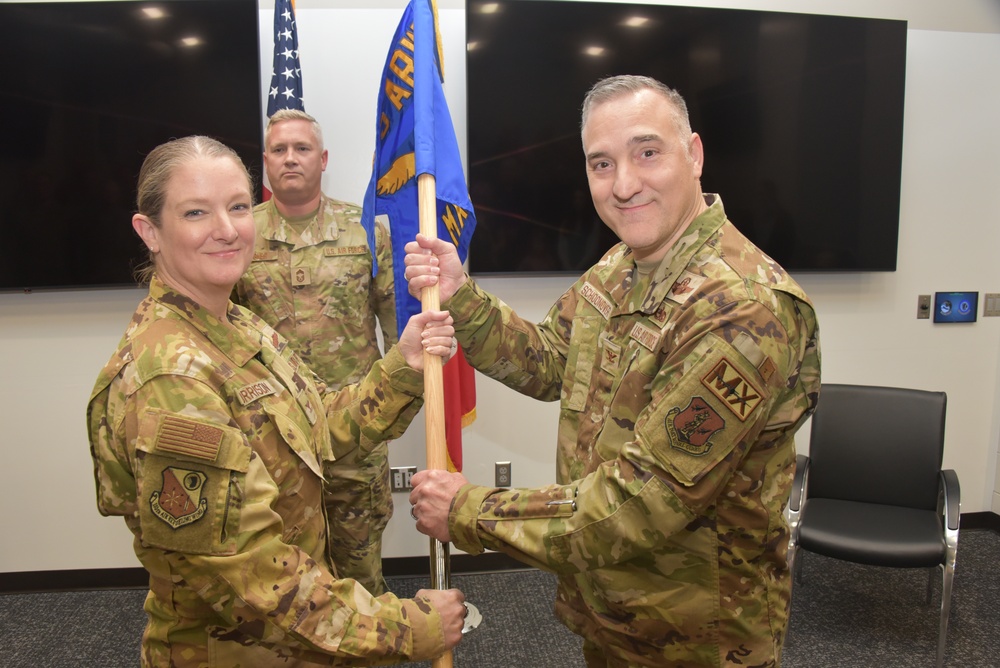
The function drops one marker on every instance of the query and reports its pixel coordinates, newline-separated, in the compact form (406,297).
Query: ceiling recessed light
(635,21)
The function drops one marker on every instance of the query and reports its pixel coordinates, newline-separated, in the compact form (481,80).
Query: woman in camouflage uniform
(210,438)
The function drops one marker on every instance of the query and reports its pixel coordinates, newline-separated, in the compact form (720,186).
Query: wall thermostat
(955,306)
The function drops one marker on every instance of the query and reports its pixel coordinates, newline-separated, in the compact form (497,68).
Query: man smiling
(684,362)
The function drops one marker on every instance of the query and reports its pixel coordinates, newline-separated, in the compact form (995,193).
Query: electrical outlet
(503,474)
(923,307)
(399,478)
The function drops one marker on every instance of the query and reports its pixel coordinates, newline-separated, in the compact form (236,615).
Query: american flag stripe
(187,437)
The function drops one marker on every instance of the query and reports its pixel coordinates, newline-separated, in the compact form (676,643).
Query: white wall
(52,344)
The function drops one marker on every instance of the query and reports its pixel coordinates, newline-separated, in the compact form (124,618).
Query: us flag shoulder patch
(733,389)
(188,437)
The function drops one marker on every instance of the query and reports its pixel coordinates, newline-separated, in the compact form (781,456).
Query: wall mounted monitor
(90,88)
(801,118)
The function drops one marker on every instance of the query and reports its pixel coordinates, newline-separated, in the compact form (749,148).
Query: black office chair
(872,490)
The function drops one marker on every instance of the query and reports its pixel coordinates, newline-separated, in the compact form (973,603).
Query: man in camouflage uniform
(311,279)
(684,361)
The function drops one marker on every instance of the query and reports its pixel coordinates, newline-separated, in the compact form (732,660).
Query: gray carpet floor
(843,615)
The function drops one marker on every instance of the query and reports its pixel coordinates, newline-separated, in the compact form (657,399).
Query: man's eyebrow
(642,139)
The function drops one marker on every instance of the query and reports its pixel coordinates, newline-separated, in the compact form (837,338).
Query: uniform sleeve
(206,502)
(377,409)
(383,292)
(526,357)
(710,400)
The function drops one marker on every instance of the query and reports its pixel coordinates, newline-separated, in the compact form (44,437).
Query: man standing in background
(311,279)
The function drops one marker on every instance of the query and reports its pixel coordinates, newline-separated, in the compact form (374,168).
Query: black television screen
(90,88)
(801,118)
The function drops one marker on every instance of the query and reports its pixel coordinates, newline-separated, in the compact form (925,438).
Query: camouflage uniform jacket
(317,288)
(680,394)
(210,438)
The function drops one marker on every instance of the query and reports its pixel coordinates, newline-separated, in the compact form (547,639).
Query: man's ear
(697,153)
(144,227)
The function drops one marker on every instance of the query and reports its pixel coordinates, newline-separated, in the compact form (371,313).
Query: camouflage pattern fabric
(213,442)
(316,289)
(680,394)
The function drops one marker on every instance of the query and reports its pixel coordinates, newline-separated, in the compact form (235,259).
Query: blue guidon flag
(414,135)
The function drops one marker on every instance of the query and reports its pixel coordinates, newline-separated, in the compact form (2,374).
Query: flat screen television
(90,88)
(801,118)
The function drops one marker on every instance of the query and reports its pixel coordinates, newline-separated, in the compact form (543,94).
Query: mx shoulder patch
(733,389)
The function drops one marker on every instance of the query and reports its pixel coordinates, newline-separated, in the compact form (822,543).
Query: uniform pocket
(189,478)
(580,361)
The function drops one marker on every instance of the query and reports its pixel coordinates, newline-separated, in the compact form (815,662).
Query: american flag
(286,73)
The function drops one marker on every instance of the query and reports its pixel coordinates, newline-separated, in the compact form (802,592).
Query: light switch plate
(923,307)
(991,304)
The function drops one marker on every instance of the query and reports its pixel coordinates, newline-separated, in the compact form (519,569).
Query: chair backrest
(877,445)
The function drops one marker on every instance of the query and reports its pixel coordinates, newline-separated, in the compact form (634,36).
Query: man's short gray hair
(610,88)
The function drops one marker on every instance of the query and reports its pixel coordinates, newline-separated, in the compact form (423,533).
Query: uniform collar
(322,228)
(233,337)
(680,255)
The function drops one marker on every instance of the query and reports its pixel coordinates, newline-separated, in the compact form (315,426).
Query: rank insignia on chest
(179,501)
(301,276)
(611,356)
(733,389)
(691,428)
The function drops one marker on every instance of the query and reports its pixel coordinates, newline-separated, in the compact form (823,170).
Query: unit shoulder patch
(179,500)
(733,389)
(691,428)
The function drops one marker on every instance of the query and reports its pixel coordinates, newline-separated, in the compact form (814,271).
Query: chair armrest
(951,491)
(799,484)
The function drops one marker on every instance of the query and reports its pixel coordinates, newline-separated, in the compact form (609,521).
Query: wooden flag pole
(437,449)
